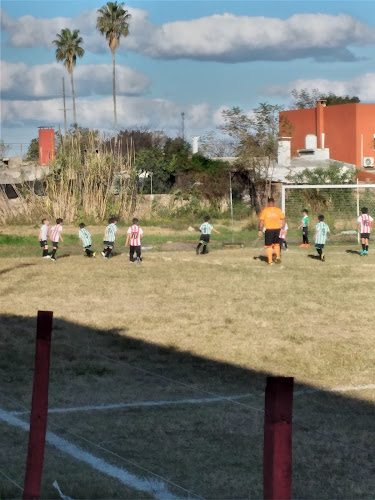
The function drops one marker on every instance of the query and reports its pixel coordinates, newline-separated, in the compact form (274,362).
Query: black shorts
(87,248)
(109,244)
(43,243)
(305,230)
(55,244)
(271,237)
(205,239)
(365,236)
(319,245)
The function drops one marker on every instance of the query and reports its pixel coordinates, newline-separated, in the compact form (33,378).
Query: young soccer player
(305,228)
(283,233)
(134,236)
(364,227)
(55,237)
(205,230)
(43,238)
(85,237)
(321,233)
(109,237)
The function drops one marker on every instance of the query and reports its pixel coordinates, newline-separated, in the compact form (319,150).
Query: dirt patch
(177,246)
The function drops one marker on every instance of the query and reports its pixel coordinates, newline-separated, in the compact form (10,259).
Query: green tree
(68,48)
(335,173)
(33,150)
(113,22)
(305,98)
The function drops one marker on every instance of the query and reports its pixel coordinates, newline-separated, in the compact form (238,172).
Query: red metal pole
(277,450)
(39,407)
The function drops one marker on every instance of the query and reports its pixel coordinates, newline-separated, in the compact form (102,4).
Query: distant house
(342,132)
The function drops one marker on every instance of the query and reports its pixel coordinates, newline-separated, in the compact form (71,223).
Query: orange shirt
(272,217)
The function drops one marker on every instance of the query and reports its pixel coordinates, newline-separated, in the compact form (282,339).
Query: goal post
(340,203)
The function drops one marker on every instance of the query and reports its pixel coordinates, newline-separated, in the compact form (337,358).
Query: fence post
(277,449)
(39,407)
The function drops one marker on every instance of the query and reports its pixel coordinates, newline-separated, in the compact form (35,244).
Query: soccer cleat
(53,259)
(277,261)
(302,245)
(271,263)
(307,245)
(94,254)
(138,260)
(197,251)
(363,252)
(322,257)
(103,254)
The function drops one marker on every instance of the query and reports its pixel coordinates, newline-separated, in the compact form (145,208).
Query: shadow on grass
(262,258)
(211,448)
(10,269)
(353,252)
(313,256)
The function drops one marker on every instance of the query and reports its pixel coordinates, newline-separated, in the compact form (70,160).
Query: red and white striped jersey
(55,232)
(135,235)
(43,233)
(365,222)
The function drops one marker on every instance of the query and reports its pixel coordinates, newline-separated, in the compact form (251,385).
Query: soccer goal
(339,203)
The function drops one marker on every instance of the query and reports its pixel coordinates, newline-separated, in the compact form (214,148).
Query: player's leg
(138,252)
(131,253)
(109,251)
(363,241)
(367,243)
(54,250)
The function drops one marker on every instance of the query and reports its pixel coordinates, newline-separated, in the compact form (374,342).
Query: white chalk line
(143,404)
(137,404)
(11,480)
(154,487)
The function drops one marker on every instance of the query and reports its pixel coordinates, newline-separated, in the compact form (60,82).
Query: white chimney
(284,152)
(195,144)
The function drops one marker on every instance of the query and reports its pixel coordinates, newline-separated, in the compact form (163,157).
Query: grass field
(158,370)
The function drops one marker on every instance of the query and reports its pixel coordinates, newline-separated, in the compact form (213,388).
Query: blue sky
(194,56)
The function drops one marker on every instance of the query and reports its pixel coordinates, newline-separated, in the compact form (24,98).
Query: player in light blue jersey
(205,230)
(322,232)
(109,237)
(85,237)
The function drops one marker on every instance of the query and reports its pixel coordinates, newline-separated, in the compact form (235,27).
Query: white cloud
(159,114)
(18,81)
(362,86)
(225,37)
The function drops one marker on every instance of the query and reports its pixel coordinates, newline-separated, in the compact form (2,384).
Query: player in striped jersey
(43,238)
(205,230)
(133,237)
(364,227)
(321,233)
(55,234)
(109,237)
(85,237)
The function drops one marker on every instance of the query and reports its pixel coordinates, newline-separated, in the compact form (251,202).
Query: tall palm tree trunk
(74,100)
(114,92)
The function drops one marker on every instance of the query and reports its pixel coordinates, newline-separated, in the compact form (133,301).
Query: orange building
(46,145)
(345,132)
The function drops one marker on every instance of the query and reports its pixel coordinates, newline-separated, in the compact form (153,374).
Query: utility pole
(183,125)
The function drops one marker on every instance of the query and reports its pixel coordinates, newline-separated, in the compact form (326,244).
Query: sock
(45,252)
(204,249)
(53,253)
(363,246)
(269,254)
(109,250)
(277,250)
(88,252)
(285,245)
(366,248)
(199,245)
(319,250)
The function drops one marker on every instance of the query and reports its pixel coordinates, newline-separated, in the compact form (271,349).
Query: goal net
(340,204)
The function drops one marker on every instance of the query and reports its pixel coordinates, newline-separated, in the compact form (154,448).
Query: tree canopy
(306,98)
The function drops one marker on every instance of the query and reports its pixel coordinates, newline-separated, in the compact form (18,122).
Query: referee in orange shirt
(272,219)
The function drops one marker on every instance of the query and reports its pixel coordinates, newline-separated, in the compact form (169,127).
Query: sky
(196,57)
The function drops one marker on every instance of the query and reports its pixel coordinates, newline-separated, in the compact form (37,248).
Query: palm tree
(68,48)
(112,22)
